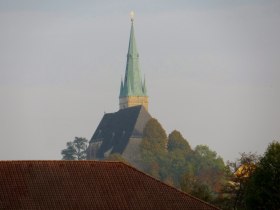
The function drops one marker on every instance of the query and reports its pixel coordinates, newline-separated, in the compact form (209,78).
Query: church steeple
(133,90)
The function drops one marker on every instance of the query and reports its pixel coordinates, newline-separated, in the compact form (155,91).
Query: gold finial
(132,16)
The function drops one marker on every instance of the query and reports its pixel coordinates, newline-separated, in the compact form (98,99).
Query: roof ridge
(163,183)
(30,168)
(65,161)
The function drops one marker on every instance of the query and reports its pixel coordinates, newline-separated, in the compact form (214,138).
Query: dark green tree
(179,152)
(177,141)
(209,167)
(199,172)
(156,135)
(153,149)
(76,150)
(263,191)
(194,186)
(204,176)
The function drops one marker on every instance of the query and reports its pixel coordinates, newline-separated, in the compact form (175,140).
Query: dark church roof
(115,129)
(86,185)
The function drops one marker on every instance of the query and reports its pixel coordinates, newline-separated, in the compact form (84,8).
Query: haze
(211,67)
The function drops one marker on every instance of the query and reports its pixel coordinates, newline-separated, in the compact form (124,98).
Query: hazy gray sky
(212,69)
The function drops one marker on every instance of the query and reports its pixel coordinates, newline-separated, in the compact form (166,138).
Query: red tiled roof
(86,185)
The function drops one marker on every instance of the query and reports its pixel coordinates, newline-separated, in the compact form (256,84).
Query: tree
(263,191)
(153,149)
(199,172)
(204,174)
(209,167)
(178,152)
(76,150)
(239,173)
(116,157)
(177,141)
(156,135)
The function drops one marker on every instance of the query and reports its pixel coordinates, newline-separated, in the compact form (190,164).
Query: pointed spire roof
(121,88)
(132,85)
(144,87)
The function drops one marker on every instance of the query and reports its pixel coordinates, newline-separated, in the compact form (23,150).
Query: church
(121,132)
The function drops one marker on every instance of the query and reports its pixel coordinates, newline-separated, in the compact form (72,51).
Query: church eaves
(132,85)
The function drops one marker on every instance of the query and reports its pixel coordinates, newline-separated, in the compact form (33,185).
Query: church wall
(93,149)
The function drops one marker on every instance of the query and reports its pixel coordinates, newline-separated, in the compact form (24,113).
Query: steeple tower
(133,90)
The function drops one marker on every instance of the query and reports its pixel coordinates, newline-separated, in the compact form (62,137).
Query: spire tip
(132,16)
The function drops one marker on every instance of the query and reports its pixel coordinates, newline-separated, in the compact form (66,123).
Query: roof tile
(86,185)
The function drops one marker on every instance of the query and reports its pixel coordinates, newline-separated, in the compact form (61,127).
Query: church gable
(140,124)
(115,130)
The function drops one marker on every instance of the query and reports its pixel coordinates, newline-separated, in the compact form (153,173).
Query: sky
(212,70)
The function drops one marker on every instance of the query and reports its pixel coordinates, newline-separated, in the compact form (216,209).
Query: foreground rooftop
(86,185)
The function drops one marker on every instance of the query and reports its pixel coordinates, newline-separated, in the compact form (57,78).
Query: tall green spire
(121,88)
(132,85)
(144,87)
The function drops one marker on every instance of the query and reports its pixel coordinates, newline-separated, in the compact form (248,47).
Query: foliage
(153,149)
(206,159)
(155,135)
(247,183)
(179,151)
(76,150)
(205,175)
(242,175)
(116,157)
(190,184)
(263,191)
(177,141)
(254,182)
(238,174)
(250,182)
(199,172)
